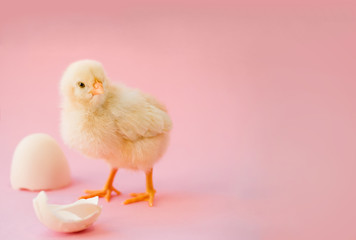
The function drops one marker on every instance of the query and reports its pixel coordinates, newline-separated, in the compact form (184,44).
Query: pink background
(262,96)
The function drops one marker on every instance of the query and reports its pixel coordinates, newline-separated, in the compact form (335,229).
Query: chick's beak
(98,89)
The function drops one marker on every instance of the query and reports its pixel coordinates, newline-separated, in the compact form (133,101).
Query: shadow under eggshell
(39,164)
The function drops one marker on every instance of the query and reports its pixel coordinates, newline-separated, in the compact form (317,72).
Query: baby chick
(123,126)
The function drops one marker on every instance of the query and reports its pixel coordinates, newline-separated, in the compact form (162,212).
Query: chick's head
(84,83)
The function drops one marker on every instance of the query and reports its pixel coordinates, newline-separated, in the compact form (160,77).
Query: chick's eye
(80,84)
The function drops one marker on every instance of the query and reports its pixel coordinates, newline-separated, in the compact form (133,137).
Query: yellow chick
(125,127)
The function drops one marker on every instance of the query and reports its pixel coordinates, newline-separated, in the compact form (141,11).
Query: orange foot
(138,197)
(106,192)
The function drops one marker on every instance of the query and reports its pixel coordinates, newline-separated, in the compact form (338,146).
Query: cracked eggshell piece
(73,217)
(39,164)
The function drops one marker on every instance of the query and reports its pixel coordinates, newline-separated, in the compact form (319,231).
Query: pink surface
(262,97)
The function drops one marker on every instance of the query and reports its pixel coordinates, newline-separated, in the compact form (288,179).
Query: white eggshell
(73,217)
(39,164)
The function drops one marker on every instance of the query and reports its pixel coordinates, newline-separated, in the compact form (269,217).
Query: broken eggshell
(39,164)
(73,217)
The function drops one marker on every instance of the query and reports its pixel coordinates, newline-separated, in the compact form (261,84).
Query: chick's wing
(141,116)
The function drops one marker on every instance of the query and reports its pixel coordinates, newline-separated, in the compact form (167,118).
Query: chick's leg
(148,195)
(106,191)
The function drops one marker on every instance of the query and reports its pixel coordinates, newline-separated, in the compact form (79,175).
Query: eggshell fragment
(73,217)
(39,164)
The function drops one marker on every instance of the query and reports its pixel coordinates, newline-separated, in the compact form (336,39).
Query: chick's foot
(138,197)
(106,192)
